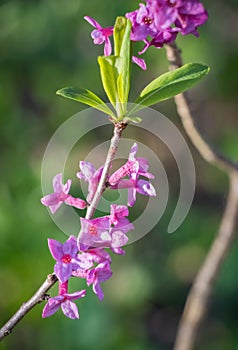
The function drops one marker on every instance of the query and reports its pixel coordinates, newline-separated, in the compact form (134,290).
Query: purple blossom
(61,195)
(101,35)
(63,300)
(134,168)
(142,23)
(118,218)
(99,274)
(96,233)
(139,166)
(191,15)
(162,20)
(96,255)
(99,255)
(92,176)
(118,215)
(99,233)
(67,258)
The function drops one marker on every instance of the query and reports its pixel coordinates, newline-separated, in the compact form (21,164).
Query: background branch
(197,300)
(209,153)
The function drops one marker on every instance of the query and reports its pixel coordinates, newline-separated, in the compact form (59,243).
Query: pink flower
(61,195)
(63,300)
(92,176)
(94,233)
(100,274)
(118,219)
(134,168)
(101,35)
(191,15)
(99,255)
(98,233)
(159,21)
(67,258)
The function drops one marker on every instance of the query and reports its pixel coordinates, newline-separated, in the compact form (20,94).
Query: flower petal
(70,246)
(87,171)
(107,47)
(98,291)
(119,239)
(51,199)
(140,62)
(75,202)
(93,22)
(76,295)
(70,309)
(63,271)
(146,188)
(56,248)
(51,307)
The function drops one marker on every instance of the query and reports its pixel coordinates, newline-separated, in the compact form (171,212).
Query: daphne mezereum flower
(98,233)
(89,174)
(61,195)
(134,168)
(118,218)
(67,258)
(99,274)
(159,21)
(101,35)
(191,15)
(63,300)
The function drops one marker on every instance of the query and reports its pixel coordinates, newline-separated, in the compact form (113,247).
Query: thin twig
(196,304)
(197,300)
(118,128)
(37,298)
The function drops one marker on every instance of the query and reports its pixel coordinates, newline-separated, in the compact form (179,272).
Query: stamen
(147,20)
(93,230)
(66,259)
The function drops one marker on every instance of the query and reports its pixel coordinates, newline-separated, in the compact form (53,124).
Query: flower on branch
(89,174)
(100,274)
(162,20)
(61,195)
(63,300)
(134,168)
(99,233)
(67,258)
(101,35)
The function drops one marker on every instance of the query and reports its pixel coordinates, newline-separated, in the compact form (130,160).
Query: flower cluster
(157,22)
(162,20)
(85,257)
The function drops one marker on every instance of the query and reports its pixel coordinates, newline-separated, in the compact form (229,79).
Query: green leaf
(118,34)
(115,70)
(124,63)
(87,97)
(109,75)
(170,84)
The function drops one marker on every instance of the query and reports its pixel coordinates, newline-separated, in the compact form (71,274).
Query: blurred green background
(46,45)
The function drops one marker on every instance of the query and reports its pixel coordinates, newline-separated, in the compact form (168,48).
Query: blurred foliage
(45,45)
